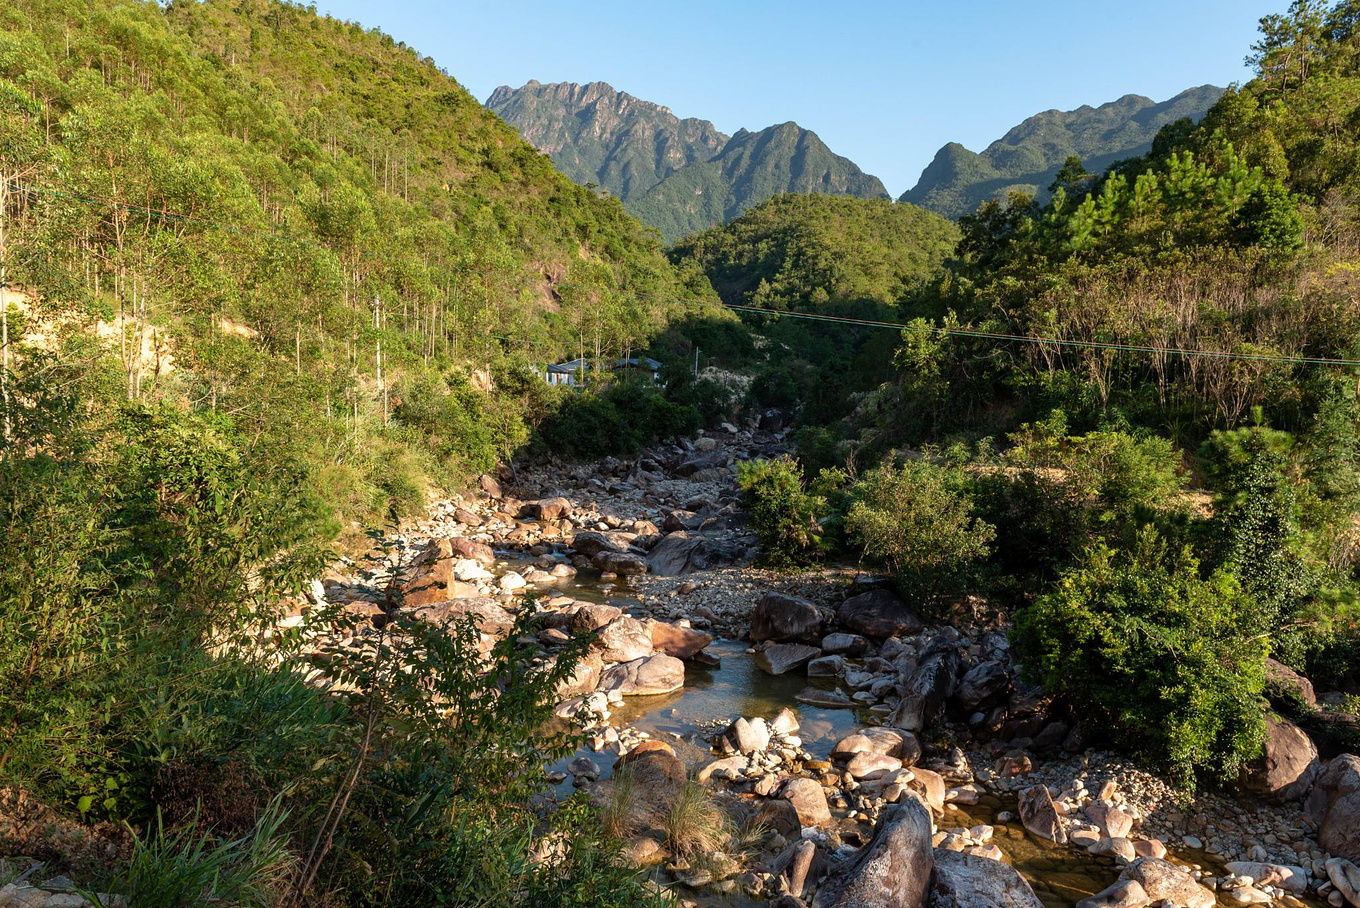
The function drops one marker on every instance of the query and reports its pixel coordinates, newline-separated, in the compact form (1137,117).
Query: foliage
(1171,662)
(784,513)
(620,418)
(916,520)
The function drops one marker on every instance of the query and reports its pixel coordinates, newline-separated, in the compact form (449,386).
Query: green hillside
(313,223)
(595,134)
(1028,157)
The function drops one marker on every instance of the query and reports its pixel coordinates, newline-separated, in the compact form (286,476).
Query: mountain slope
(1028,156)
(595,134)
(678,176)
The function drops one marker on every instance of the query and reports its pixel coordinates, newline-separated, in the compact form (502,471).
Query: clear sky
(883,83)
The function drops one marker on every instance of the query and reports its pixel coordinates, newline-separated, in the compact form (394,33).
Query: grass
(695,826)
(190,867)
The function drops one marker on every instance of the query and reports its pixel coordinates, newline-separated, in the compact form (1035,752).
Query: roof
(644,362)
(575,365)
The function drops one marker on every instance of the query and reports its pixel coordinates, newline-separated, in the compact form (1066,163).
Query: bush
(1171,663)
(783,513)
(916,521)
(620,419)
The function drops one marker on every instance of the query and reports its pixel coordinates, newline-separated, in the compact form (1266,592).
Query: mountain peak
(677,175)
(1028,156)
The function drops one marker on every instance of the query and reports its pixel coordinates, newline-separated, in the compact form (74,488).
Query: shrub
(1171,662)
(783,513)
(916,521)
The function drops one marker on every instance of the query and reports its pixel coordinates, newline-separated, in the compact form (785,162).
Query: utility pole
(377,325)
(4,311)
(696,362)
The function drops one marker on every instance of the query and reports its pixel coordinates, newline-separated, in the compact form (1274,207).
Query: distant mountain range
(1029,156)
(682,176)
(679,176)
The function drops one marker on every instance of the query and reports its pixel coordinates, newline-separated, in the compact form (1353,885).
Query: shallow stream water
(1060,875)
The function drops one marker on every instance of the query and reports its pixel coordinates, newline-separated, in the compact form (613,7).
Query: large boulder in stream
(680,642)
(781,617)
(1287,766)
(623,640)
(486,613)
(892,870)
(658,674)
(929,686)
(625,564)
(1039,815)
(677,554)
(971,881)
(1164,881)
(780,658)
(879,613)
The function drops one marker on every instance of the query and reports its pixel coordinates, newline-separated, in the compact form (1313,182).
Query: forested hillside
(297,222)
(679,176)
(1027,157)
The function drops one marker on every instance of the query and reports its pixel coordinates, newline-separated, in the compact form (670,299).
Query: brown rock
(625,564)
(591,617)
(965,880)
(779,617)
(809,800)
(879,613)
(623,640)
(1288,764)
(551,508)
(1040,816)
(1283,680)
(430,577)
(658,674)
(1334,806)
(680,642)
(1164,880)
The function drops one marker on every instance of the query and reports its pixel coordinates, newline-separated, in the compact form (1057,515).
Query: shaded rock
(1164,880)
(590,617)
(930,786)
(1114,846)
(1288,764)
(623,640)
(780,658)
(1040,816)
(657,674)
(585,677)
(625,564)
(1334,806)
(680,642)
(780,617)
(809,800)
(927,690)
(678,554)
(826,699)
(894,869)
(982,685)
(878,613)
(778,816)
(968,881)
(826,667)
(845,644)
(800,864)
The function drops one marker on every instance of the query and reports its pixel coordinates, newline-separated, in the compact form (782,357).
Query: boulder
(869,764)
(625,564)
(747,735)
(780,658)
(1112,821)
(490,486)
(780,617)
(1282,682)
(778,816)
(551,508)
(1345,876)
(680,642)
(968,881)
(656,674)
(808,800)
(678,554)
(590,617)
(1288,764)
(894,869)
(623,640)
(927,690)
(1334,806)
(844,645)
(826,667)
(431,577)
(1285,876)
(878,613)
(1123,894)
(488,614)
(584,678)
(480,552)
(1039,815)
(800,864)
(592,543)
(982,685)
(930,786)
(1162,880)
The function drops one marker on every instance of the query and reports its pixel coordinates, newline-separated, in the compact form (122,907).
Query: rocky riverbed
(865,757)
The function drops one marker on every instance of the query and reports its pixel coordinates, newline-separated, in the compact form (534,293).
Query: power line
(166,215)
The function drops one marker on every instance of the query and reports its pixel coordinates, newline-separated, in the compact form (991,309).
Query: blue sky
(885,84)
